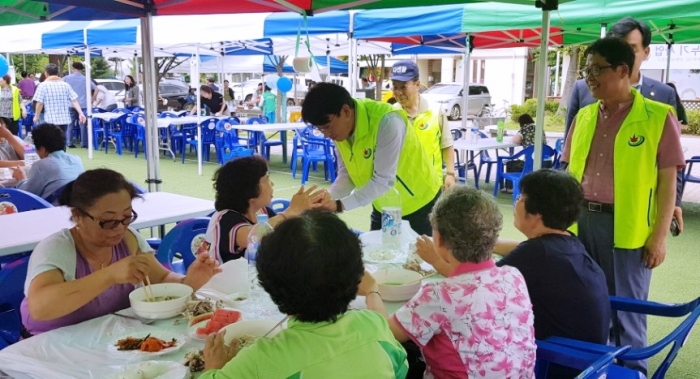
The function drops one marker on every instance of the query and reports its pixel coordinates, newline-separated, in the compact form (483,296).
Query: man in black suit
(638,35)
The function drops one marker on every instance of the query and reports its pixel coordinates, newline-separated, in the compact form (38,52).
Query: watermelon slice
(200,318)
(219,319)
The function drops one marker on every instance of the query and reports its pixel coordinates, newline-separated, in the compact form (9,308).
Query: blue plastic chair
(236,153)
(528,153)
(317,150)
(120,130)
(22,200)
(485,159)
(592,366)
(227,138)
(208,139)
(558,149)
(139,136)
(260,139)
(688,177)
(297,150)
(676,339)
(279,205)
(180,240)
(12,279)
(53,198)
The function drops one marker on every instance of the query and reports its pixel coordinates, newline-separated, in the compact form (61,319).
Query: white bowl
(397,291)
(256,328)
(160,310)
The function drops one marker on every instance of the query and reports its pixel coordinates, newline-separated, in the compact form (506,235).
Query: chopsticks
(148,290)
(276,325)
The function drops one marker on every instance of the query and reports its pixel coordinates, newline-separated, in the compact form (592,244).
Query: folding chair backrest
(279,205)
(15,200)
(12,278)
(185,238)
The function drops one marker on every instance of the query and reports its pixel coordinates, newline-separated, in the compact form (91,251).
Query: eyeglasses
(595,70)
(112,224)
(327,127)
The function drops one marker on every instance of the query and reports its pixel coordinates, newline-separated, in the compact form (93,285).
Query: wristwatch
(338,206)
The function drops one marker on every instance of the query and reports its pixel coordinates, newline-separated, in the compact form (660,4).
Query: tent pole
(556,74)
(541,90)
(150,97)
(668,60)
(24,62)
(88,95)
(199,118)
(466,63)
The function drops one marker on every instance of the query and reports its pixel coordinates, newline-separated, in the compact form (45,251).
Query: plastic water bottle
(500,131)
(391,216)
(474,135)
(30,155)
(257,232)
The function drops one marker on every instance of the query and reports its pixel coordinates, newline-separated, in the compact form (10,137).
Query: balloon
(4,66)
(284,84)
(271,81)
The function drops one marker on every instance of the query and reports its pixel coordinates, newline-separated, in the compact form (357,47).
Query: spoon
(143,321)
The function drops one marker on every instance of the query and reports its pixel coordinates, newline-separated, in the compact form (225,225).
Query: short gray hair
(468,221)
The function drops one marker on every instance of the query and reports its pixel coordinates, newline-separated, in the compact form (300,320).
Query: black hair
(237,182)
(205,88)
(311,266)
(627,25)
(51,69)
(392,100)
(553,194)
(78,66)
(323,100)
(50,137)
(615,50)
(267,88)
(133,82)
(90,186)
(525,119)
(24,74)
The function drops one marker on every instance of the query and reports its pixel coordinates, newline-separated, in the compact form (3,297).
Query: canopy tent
(253,64)
(146,9)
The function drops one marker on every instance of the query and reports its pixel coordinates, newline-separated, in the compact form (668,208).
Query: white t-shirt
(7,152)
(104,98)
(58,252)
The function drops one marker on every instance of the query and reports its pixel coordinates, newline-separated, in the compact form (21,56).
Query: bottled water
(30,156)
(257,232)
(391,216)
(474,135)
(500,131)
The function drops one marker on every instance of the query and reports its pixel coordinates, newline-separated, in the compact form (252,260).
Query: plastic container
(500,131)
(257,232)
(30,155)
(391,216)
(474,135)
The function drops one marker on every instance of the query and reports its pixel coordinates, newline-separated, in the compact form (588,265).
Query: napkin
(232,278)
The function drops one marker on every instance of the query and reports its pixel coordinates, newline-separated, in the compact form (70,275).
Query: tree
(278,61)
(117,66)
(375,65)
(32,63)
(572,75)
(99,68)
(164,65)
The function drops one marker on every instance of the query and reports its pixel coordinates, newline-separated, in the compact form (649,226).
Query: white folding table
(23,231)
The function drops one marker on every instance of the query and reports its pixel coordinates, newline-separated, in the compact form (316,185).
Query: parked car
(170,89)
(449,97)
(114,86)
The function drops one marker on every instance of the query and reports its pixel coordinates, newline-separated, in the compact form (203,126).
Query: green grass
(674,281)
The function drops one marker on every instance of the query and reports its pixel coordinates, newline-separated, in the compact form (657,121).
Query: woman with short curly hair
(477,322)
(244,191)
(311,266)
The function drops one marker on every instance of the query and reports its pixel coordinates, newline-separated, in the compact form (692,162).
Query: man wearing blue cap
(431,125)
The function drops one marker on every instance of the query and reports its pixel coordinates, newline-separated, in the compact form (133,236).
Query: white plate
(162,334)
(193,329)
(154,370)
(256,328)
(383,254)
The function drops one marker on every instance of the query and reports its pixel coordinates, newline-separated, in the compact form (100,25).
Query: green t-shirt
(358,345)
(269,101)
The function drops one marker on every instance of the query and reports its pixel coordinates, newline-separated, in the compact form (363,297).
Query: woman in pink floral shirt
(478,321)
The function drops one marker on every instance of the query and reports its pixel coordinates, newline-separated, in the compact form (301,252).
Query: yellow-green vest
(415,180)
(16,106)
(635,166)
(427,127)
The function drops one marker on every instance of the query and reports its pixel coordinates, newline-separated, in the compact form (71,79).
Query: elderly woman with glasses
(89,270)
(478,321)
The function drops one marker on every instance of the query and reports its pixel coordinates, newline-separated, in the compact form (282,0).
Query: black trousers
(12,125)
(418,219)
